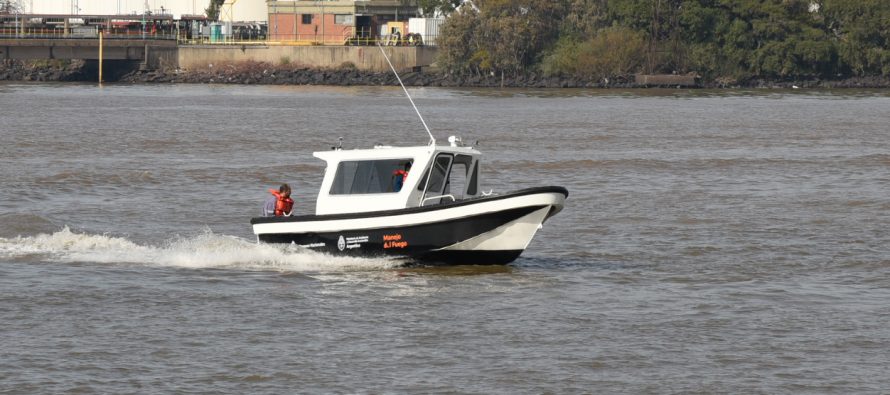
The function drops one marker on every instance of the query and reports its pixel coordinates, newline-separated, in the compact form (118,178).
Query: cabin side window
(459,178)
(473,188)
(368,176)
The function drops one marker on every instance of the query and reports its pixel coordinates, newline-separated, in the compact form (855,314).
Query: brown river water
(712,242)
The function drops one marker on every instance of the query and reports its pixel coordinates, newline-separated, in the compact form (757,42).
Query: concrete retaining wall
(162,58)
(363,57)
(88,49)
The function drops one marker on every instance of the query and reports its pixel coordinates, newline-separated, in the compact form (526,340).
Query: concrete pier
(361,57)
(166,54)
(155,53)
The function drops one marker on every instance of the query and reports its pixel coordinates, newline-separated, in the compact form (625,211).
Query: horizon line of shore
(258,73)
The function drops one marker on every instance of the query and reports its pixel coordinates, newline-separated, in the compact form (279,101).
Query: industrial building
(338,21)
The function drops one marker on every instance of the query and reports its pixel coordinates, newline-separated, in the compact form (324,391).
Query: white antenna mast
(432,139)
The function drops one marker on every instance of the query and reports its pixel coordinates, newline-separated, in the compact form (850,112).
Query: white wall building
(243,10)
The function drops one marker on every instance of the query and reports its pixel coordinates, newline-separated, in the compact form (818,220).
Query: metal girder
(21,49)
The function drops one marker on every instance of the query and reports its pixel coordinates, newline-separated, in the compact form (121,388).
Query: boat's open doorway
(459,181)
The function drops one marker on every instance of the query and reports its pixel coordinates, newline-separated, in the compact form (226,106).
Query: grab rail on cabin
(423,202)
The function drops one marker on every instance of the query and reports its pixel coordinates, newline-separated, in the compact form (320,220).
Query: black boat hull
(486,231)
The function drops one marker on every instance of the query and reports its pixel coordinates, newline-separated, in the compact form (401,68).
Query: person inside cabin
(399,177)
(279,204)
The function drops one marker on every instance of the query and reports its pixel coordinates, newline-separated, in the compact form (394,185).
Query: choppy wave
(205,250)
(869,160)
(627,163)
(77,179)
(15,224)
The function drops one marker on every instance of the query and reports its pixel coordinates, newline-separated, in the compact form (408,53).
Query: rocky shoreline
(258,73)
(44,70)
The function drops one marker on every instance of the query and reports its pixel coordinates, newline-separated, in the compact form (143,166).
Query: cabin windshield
(368,176)
(452,175)
(440,171)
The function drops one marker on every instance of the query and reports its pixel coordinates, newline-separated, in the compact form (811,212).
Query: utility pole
(144,17)
(321,3)
(17,26)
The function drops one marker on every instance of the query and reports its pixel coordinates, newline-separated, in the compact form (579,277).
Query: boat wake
(205,250)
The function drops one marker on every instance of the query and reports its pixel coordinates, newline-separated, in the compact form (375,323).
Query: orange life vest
(283,205)
(402,173)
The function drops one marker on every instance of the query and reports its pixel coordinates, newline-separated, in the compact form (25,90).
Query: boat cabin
(365,180)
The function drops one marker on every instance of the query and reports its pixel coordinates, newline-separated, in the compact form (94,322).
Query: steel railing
(184,39)
(43,33)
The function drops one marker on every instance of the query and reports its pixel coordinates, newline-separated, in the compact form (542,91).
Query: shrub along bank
(726,42)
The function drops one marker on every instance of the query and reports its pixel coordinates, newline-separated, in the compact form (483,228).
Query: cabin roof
(386,152)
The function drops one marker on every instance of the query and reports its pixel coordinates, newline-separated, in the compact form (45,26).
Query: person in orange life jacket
(399,177)
(280,203)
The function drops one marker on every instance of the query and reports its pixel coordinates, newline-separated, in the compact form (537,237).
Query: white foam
(205,250)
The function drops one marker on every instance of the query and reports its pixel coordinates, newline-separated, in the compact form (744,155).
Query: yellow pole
(100,56)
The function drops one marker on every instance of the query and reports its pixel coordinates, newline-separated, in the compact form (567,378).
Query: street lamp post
(19,19)
(144,17)
(321,2)
(323,37)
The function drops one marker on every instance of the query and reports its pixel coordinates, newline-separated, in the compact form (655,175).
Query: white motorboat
(436,213)
(440,214)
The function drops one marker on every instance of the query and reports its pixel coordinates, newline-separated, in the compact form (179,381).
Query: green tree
(585,17)
(612,52)
(8,7)
(756,38)
(213,9)
(507,38)
(719,39)
(429,8)
(862,31)
(457,42)
(659,21)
